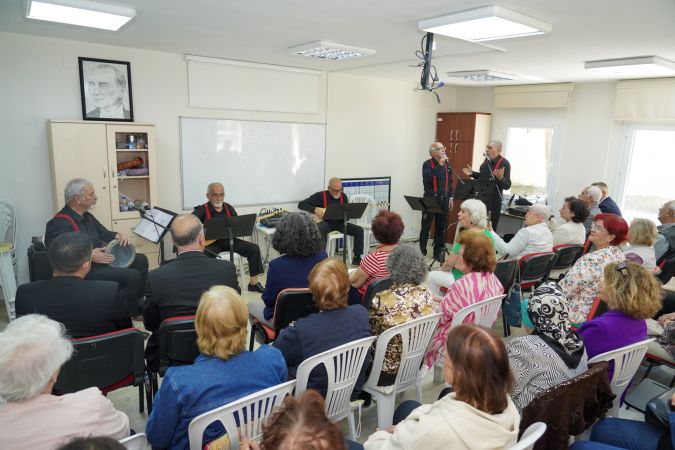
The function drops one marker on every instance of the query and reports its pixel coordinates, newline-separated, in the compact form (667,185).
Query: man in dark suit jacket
(606,204)
(175,288)
(84,307)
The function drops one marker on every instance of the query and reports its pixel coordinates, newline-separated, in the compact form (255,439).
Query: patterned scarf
(548,311)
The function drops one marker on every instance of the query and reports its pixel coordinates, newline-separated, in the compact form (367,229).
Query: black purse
(658,410)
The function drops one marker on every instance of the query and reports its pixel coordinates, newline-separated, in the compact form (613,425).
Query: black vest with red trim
(325,198)
(440,179)
(209,214)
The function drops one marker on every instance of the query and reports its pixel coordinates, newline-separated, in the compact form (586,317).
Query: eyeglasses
(217,194)
(595,227)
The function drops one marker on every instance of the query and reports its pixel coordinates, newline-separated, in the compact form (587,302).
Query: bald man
(318,202)
(217,207)
(174,289)
(437,181)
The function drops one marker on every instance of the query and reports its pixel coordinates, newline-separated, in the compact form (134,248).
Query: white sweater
(533,239)
(569,233)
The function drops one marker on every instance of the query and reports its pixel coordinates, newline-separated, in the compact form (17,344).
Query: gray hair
(432,149)
(407,265)
(544,212)
(671,206)
(594,193)
(120,77)
(497,144)
(75,188)
(477,211)
(188,233)
(32,349)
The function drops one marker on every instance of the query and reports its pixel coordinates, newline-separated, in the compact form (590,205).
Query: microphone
(486,155)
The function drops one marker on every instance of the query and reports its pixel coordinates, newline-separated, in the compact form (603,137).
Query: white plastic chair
(343,365)
(530,437)
(8,240)
(136,442)
(364,222)
(626,362)
(485,314)
(415,336)
(256,407)
(332,242)
(238,264)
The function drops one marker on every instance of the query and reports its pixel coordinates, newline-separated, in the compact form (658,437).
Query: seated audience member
(591,195)
(472,216)
(298,241)
(301,424)
(224,371)
(93,443)
(476,259)
(574,213)
(174,289)
(335,324)
(606,204)
(32,350)
(641,237)
(387,229)
(582,282)
(551,354)
(85,307)
(478,415)
(663,330)
(405,300)
(623,434)
(535,237)
(80,197)
(665,241)
(217,207)
(632,295)
(318,202)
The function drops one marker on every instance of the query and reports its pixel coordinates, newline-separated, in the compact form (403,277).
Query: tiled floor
(126,399)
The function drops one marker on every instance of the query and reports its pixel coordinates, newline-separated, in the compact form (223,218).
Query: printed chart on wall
(378,188)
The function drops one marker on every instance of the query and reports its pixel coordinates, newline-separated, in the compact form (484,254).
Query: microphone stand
(492,177)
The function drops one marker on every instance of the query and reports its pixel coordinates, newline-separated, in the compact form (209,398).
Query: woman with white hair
(534,237)
(472,216)
(32,350)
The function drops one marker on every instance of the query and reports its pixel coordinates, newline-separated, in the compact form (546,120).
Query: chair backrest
(136,442)
(373,288)
(245,416)
(106,361)
(291,305)
(8,228)
(177,342)
(343,365)
(530,436)
(667,266)
(484,312)
(505,271)
(535,267)
(626,362)
(566,255)
(415,336)
(371,210)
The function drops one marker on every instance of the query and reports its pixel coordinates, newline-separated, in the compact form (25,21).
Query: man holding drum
(80,197)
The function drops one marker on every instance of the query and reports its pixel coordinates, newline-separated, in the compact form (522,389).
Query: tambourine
(124,254)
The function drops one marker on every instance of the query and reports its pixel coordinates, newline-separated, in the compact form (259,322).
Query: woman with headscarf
(553,353)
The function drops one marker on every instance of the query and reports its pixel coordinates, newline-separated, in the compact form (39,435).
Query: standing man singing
(495,168)
(437,180)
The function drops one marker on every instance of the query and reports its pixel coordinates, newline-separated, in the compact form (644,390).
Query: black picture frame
(103,83)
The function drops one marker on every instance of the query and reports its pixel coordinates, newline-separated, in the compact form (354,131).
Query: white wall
(374,127)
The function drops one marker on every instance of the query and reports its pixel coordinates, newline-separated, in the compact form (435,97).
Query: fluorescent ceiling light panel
(485,24)
(641,66)
(481,75)
(84,13)
(330,50)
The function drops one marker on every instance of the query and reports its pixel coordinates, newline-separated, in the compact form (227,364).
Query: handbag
(658,410)
(512,310)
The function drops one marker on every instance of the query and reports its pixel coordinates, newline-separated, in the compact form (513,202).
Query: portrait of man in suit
(106,90)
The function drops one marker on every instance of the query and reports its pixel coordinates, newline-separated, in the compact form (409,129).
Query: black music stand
(229,228)
(482,190)
(344,212)
(141,228)
(427,205)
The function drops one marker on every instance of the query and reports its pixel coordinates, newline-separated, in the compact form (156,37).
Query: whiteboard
(259,163)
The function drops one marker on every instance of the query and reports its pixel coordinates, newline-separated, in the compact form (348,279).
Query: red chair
(292,304)
(534,268)
(177,347)
(587,246)
(667,266)
(107,361)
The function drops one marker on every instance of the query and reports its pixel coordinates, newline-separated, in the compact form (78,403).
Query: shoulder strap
(208,212)
(69,219)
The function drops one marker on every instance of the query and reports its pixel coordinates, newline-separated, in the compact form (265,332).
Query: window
(646,172)
(529,152)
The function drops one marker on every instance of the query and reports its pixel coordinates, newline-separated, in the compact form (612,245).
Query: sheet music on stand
(154,231)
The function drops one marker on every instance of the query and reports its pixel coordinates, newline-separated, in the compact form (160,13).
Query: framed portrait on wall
(105,89)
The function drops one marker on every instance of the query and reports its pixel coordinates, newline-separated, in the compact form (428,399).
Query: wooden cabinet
(93,151)
(465,136)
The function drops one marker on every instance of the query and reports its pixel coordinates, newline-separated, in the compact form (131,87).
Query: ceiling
(261,30)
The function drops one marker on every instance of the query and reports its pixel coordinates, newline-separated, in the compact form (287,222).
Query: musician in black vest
(217,207)
(318,202)
(80,197)
(437,181)
(495,168)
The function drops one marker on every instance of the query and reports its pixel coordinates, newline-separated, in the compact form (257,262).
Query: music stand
(150,224)
(344,212)
(427,205)
(482,190)
(229,228)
